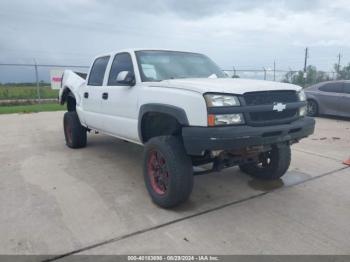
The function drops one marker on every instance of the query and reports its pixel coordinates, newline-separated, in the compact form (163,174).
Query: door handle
(105,96)
(86,95)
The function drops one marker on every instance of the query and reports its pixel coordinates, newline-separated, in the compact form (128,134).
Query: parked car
(185,112)
(329,98)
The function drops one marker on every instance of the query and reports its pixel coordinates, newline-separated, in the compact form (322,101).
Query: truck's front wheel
(271,165)
(167,171)
(74,132)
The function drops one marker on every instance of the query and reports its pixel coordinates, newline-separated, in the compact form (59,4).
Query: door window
(97,72)
(347,88)
(121,62)
(336,87)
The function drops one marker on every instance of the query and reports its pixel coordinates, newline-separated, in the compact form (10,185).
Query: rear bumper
(199,139)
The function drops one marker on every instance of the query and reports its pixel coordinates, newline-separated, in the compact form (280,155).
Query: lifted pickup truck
(187,113)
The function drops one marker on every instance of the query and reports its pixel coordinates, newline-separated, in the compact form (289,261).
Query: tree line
(314,76)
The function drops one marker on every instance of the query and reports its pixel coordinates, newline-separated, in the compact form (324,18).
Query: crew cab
(186,112)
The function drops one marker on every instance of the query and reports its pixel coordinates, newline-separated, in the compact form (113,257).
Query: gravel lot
(55,200)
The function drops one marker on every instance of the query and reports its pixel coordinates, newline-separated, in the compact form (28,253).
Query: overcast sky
(240,33)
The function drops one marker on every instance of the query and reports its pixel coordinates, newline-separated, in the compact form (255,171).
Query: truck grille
(273,115)
(270,97)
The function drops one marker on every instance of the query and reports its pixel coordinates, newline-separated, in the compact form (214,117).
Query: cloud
(194,9)
(234,32)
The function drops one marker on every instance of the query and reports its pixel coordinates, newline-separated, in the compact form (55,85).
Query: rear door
(92,94)
(329,97)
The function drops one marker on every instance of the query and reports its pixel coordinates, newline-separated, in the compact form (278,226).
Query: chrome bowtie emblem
(279,107)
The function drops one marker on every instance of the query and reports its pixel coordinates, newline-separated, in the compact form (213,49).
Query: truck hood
(226,85)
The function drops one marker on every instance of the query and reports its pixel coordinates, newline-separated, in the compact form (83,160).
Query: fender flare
(178,113)
(65,94)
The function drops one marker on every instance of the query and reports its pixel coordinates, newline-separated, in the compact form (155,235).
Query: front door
(330,97)
(119,103)
(344,105)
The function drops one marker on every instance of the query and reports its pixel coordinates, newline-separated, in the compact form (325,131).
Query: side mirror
(126,78)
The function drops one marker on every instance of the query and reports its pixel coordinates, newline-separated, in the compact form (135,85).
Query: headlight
(302,96)
(227,119)
(216,100)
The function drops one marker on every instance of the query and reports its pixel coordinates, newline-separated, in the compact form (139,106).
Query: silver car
(329,98)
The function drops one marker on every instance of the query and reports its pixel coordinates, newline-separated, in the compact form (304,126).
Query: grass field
(31,108)
(26,92)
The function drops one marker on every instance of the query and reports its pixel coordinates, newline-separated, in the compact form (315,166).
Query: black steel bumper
(199,139)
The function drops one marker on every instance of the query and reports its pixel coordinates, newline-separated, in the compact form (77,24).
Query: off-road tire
(176,171)
(74,132)
(277,165)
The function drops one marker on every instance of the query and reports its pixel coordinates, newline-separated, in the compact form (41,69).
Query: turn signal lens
(211,120)
(228,119)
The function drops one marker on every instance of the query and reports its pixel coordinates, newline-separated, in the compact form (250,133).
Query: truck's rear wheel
(168,171)
(74,132)
(271,165)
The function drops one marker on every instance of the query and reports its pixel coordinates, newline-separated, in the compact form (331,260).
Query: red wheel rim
(158,172)
(69,133)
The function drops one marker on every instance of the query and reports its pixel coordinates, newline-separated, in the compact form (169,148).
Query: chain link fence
(32,81)
(269,74)
(29,83)
(259,74)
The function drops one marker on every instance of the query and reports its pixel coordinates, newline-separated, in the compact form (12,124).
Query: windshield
(163,65)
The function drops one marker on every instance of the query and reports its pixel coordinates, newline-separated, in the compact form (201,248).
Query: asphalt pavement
(58,201)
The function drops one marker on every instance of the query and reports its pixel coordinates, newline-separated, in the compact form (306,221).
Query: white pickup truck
(187,113)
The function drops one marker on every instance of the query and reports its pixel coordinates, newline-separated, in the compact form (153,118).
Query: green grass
(26,92)
(31,108)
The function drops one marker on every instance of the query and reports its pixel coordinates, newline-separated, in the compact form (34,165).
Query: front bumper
(199,139)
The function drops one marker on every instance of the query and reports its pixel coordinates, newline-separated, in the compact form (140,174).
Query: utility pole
(338,66)
(305,64)
(264,73)
(291,73)
(37,80)
(274,70)
(234,72)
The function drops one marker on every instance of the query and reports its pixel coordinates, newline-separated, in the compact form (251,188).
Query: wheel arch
(69,98)
(160,110)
